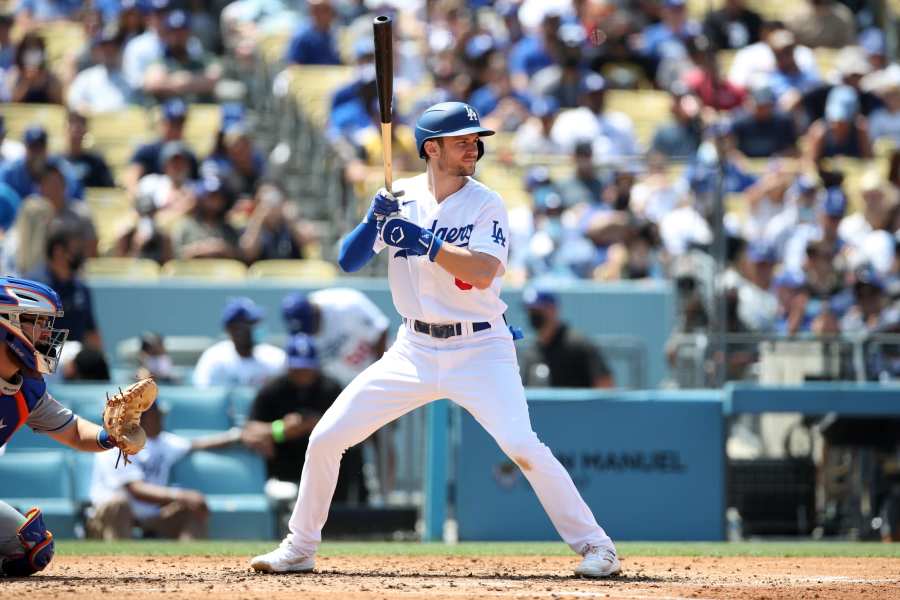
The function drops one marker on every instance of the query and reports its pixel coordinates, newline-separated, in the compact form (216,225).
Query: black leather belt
(448,330)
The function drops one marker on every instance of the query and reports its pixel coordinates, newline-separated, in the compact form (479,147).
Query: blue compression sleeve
(356,249)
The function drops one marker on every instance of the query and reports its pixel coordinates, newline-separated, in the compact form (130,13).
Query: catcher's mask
(28,312)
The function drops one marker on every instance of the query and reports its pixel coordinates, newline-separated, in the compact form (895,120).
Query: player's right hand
(384,204)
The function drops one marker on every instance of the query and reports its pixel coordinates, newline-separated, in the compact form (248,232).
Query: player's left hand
(418,241)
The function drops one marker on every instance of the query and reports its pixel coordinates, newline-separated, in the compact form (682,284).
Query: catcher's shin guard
(37,542)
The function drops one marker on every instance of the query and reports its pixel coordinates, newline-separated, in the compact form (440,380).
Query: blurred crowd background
(745,151)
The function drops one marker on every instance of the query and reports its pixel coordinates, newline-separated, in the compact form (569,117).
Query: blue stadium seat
(241,399)
(192,408)
(82,464)
(86,399)
(27,440)
(40,479)
(233,482)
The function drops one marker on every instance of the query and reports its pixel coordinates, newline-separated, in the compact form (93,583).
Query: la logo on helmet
(470,112)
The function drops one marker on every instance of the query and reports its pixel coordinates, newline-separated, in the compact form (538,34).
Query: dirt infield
(369,577)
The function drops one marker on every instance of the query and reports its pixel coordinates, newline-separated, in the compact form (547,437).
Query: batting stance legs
(477,372)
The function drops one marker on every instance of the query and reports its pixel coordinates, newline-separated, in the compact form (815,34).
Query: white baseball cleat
(284,559)
(598,562)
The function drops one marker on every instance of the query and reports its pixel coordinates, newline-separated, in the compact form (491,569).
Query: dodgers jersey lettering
(475,218)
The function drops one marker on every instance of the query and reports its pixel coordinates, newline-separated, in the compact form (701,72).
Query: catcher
(29,348)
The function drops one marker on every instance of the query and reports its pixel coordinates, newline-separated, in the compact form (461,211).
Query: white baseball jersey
(220,364)
(350,326)
(475,218)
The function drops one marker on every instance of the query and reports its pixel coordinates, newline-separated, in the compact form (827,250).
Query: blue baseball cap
(873,42)
(479,46)
(759,252)
(534,297)
(298,313)
(174,108)
(35,134)
(209,184)
(231,114)
(593,82)
(789,279)
(301,352)
(835,202)
(544,106)
(536,176)
(178,19)
(241,309)
(364,46)
(842,104)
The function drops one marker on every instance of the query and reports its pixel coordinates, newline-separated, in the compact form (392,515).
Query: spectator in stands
(7,46)
(559,357)
(680,137)
(788,81)
(102,87)
(145,238)
(10,150)
(584,186)
(757,305)
(884,122)
(611,133)
(30,80)
(843,132)
(636,257)
(702,174)
(154,361)
(851,66)
(239,360)
(181,71)
(562,80)
(242,166)
(873,42)
(284,413)
(763,131)
(825,232)
(91,21)
(274,230)
(142,495)
(534,135)
(31,12)
(88,167)
(733,26)
(204,232)
(501,107)
(757,62)
(130,19)
(146,158)
(668,38)
(703,78)
(791,317)
(65,256)
(879,205)
(765,199)
(145,49)
(88,365)
(656,193)
(314,42)
(535,51)
(870,310)
(799,210)
(24,246)
(172,191)
(23,174)
(823,23)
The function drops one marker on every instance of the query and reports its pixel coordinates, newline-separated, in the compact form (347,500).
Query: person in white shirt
(611,133)
(239,360)
(756,62)
(102,87)
(142,495)
(534,135)
(10,150)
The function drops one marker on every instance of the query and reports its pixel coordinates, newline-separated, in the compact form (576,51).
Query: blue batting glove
(418,241)
(383,205)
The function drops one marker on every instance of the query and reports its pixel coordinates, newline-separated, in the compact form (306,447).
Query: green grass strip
(247,549)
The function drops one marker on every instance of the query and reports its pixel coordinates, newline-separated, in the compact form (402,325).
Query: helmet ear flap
(480,149)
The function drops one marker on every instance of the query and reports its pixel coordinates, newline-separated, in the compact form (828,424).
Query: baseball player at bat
(446,239)
(29,348)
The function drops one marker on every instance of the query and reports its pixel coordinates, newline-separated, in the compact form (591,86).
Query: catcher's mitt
(122,415)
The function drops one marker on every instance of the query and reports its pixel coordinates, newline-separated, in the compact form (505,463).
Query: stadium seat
(28,440)
(82,465)
(184,350)
(192,408)
(113,267)
(201,126)
(240,400)
(42,479)
(51,116)
(216,269)
(308,269)
(233,482)
(85,399)
(111,210)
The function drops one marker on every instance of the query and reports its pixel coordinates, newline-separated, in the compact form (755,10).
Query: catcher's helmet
(446,119)
(36,306)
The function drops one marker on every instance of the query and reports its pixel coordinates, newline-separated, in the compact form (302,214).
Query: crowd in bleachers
(615,121)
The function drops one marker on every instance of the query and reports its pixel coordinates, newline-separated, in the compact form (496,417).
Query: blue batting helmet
(298,313)
(28,310)
(446,119)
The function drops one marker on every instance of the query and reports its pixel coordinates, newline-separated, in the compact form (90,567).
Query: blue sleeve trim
(357,248)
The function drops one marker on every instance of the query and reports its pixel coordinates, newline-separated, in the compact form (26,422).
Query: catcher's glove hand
(122,415)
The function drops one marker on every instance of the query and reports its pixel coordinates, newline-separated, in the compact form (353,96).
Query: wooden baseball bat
(384,80)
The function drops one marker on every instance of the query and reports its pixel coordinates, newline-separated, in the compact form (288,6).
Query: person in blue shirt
(667,38)
(22,175)
(314,43)
(364,58)
(534,52)
(49,10)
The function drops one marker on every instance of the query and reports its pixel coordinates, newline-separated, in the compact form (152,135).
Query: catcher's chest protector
(15,407)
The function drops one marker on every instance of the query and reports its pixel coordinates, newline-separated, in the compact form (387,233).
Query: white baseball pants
(477,371)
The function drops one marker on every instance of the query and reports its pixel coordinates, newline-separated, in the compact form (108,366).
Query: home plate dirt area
(431,577)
